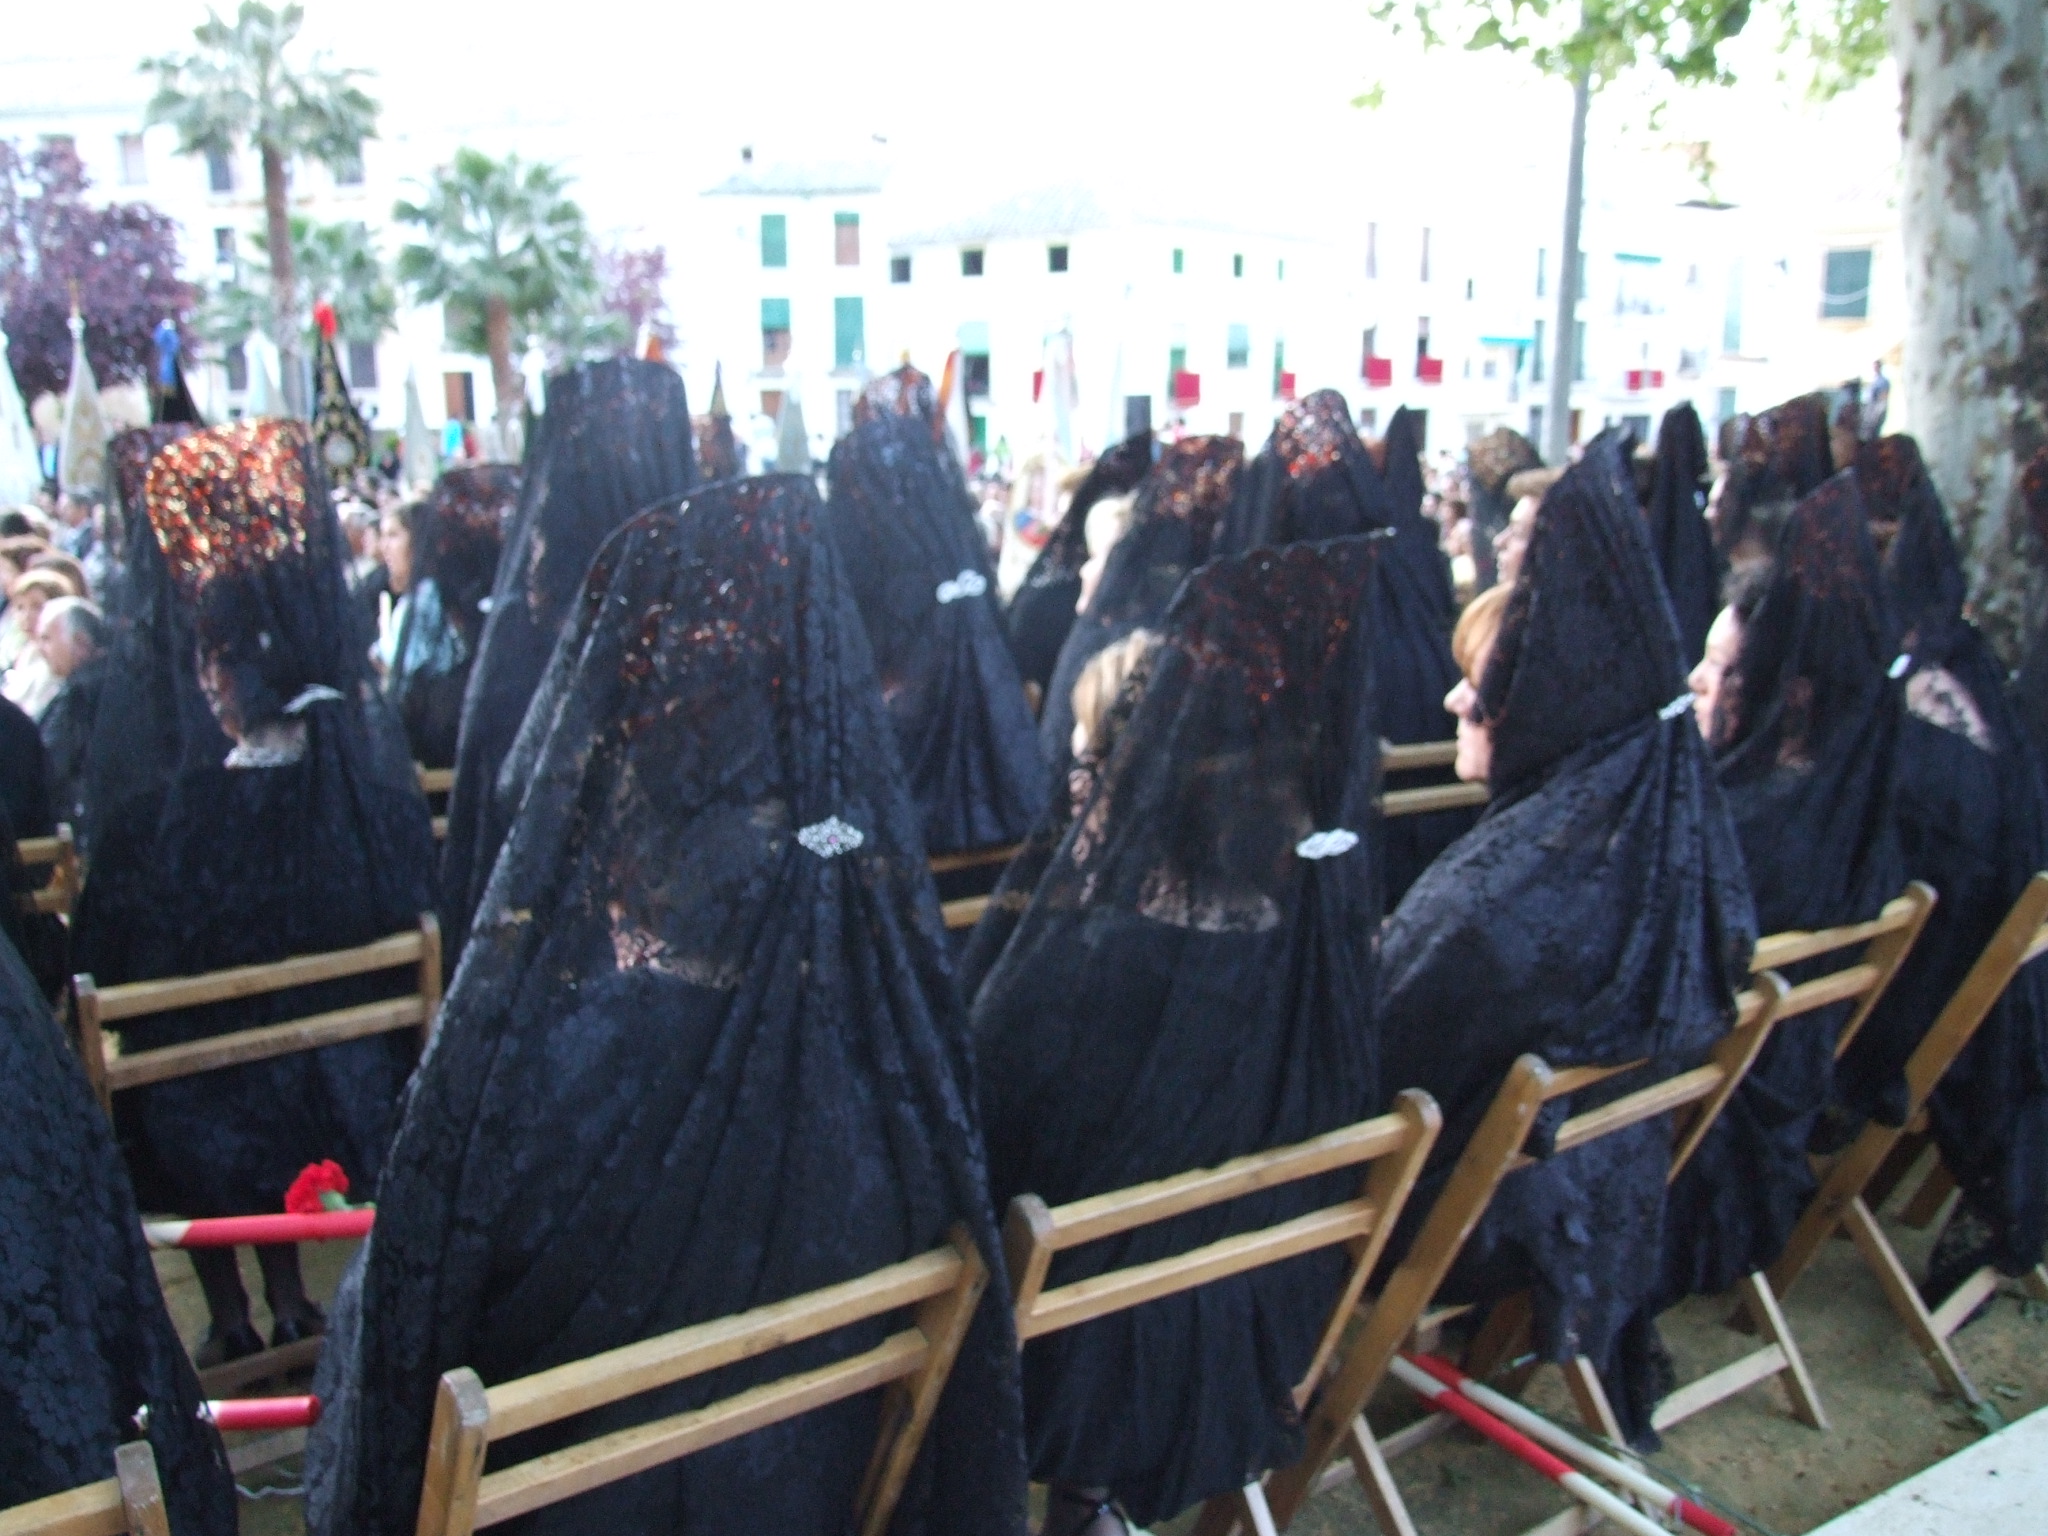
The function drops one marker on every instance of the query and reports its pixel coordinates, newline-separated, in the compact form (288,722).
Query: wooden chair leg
(456,1446)
(1501,1337)
(1928,1200)
(1762,1304)
(1956,1307)
(142,1496)
(2036,1282)
(1376,1481)
(1891,1173)
(1904,1296)
(1590,1398)
(1222,1514)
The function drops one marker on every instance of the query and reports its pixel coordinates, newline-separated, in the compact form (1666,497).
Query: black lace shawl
(1807,749)
(83,1330)
(914,558)
(2030,687)
(692,1062)
(1492,462)
(615,438)
(1597,914)
(208,866)
(1974,826)
(1315,480)
(1779,453)
(1175,522)
(1042,609)
(1679,535)
(458,539)
(1187,987)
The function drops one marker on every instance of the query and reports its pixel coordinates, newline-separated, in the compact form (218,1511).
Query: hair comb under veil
(1493,461)
(1597,914)
(703,1053)
(1806,748)
(1191,981)
(914,558)
(1175,521)
(1974,824)
(615,438)
(1042,610)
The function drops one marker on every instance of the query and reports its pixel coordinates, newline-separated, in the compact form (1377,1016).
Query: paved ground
(1889,1420)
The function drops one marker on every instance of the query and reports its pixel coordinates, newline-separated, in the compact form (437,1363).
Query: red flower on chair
(319,1187)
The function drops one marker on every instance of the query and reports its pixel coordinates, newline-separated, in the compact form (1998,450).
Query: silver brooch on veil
(1327,845)
(966,584)
(830,838)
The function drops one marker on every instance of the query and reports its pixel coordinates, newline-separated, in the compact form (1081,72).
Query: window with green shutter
(1845,294)
(849,333)
(1240,351)
(774,332)
(774,240)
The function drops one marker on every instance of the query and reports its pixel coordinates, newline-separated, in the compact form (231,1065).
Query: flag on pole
(21,468)
(82,458)
(953,406)
(422,454)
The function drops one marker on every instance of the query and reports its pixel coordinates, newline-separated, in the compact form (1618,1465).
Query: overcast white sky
(647,101)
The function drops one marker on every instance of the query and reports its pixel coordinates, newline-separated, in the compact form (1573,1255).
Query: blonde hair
(1478,627)
(1108,520)
(46,580)
(1103,679)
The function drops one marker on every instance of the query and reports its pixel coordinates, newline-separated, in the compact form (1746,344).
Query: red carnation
(319,1187)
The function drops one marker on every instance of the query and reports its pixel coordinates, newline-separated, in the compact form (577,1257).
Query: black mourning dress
(615,438)
(1042,609)
(1780,454)
(1492,462)
(913,555)
(85,1341)
(1806,746)
(703,1053)
(1971,819)
(1679,535)
(1192,981)
(1597,914)
(458,536)
(1175,520)
(307,836)
(1315,480)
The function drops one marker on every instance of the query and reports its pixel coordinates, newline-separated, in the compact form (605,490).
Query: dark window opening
(362,365)
(220,171)
(975,375)
(1056,258)
(899,269)
(458,392)
(238,367)
(971,262)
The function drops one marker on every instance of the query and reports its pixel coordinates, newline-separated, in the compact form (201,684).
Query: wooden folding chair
(1391,1149)
(97,1008)
(965,911)
(436,781)
(130,1503)
(1842,1202)
(59,855)
(1336,1420)
(913,1363)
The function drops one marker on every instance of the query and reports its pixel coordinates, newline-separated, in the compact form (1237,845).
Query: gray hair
(80,616)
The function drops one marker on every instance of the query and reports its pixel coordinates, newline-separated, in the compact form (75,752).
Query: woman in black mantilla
(1316,480)
(913,555)
(1780,455)
(1974,826)
(1492,462)
(704,1053)
(1793,694)
(283,829)
(1042,610)
(440,555)
(1175,520)
(1598,914)
(615,438)
(1679,535)
(1192,981)
(85,1343)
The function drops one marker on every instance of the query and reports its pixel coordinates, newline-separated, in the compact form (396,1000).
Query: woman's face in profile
(1512,542)
(1724,644)
(1475,732)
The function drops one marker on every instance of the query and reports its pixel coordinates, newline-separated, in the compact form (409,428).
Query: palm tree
(335,262)
(238,88)
(505,250)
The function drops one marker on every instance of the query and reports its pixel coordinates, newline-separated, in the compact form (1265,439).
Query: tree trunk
(1557,415)
(505,379)
(1973,83)
(284,280)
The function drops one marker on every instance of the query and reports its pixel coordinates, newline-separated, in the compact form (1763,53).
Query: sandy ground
(1748,1454)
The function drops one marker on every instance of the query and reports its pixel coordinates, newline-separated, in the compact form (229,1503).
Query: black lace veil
(1492,462)
(1597,914)
(1191,982)
(1679,534)
(615,438)
(913,555)
(703,1053)
(1781,454)
(1042,609)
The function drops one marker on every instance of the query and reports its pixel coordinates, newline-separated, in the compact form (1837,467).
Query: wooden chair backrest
(435,781)
(1491,1156)
(59,854)
(1886,939)
(1391,1150)
(1413,757)
(130,1503)
(97,1008)
(913,1363)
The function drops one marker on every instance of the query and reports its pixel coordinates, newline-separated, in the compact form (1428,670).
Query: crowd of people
(708,1043)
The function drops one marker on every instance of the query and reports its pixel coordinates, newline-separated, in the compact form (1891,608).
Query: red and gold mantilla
(230,499)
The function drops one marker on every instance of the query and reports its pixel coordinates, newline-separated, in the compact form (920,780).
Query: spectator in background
(63,565)
(72,636)
(78,528)
(29,682)
(368,581)
(15,523)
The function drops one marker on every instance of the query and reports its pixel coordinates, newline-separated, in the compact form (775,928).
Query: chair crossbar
(435,781)
(1434,797)
(1776,951)
(1407,757)
(137,999)
(59,853)
(307,1034)
(963,913)
(973,858)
